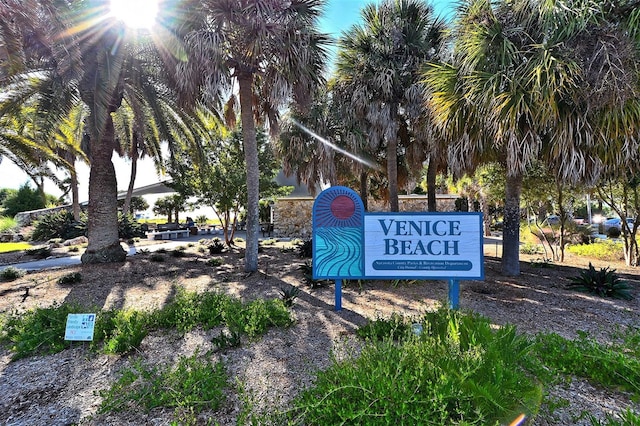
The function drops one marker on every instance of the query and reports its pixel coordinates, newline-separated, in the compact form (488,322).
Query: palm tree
(379,66)
(26,141)
(520,87)
(68,136)
(273,53)
(74,51)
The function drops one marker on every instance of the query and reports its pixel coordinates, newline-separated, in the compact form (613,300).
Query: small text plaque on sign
(80,327)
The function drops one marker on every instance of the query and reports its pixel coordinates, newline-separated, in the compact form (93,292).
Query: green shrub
(121,330)
(11,273)
(156,257)
(603,283)
(215,261)
(192,385)
(529,248)
(261,314)
(40,252)
(305,249)
(289,294)
(8,224)
(216,246)
(457,371)
(601,249)
(226,340)
(613,232)
(37,331)
(394,327)
(178,253)
(128,227)
(307,275)
(606,365)
(60,224)
(70,278)
(118,331)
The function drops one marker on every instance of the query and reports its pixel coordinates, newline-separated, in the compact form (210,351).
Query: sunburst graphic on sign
(338,236)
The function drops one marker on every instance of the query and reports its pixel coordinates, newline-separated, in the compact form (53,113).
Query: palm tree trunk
(40,185)
(73,184)
(104,244)
(364,191)
(132,179)
(392,173)
(432,173)
(486,216)
(563,219)
(245,81)
(511,230)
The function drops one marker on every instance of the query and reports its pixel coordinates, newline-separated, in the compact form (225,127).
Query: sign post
(351,244)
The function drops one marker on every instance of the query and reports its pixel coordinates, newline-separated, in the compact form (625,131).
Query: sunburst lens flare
(137,14)
(334,146)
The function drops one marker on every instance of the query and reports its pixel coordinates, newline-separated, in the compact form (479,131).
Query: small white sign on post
(80,327)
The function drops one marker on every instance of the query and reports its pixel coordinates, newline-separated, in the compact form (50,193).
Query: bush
(307,275)
(192,385)
(457,371)
(11,273)
(128,227)
(215,261)
(40,252)
(40,331)
(60,224)
(601,249)
(216,246)
(156,257)
(305,249)
(614,365)
(8,224)
(603,283)
(122,331)
(70,278)
(613,232)
(528,248)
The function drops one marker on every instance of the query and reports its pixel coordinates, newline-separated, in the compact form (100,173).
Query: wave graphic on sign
(338,252)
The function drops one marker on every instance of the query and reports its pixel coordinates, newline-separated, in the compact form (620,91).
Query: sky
(340,15)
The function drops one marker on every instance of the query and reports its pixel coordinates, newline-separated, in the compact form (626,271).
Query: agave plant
(603,283)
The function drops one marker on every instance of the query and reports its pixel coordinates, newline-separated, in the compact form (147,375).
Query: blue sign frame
(349,243)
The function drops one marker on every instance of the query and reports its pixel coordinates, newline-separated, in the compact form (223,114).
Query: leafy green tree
(273,53)
(25,199)
(5,193)
(622,195)
(220,179)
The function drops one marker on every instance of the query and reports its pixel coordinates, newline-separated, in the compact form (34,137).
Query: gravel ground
(62,389)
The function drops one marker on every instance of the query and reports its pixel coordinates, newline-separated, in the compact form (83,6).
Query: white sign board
(434,245)
(80,327)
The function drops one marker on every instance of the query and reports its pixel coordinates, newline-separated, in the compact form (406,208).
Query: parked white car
(616,222)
